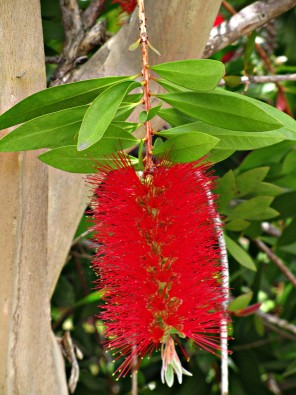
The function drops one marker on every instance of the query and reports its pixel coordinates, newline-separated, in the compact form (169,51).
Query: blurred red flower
(126,5)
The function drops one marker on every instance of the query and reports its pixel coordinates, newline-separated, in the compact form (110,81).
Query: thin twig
(276,260)
(248,19)
(262,79)
(280,322)
(92,13)
(146,80)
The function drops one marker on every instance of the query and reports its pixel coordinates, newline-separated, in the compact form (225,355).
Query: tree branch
(281,323)
(244,22)
(277,261)
(92,13)
(261,79)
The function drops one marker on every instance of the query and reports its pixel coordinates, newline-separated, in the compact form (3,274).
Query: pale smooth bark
(31,362)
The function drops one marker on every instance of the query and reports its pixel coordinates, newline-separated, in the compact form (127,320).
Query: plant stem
(146,87)
(277,261)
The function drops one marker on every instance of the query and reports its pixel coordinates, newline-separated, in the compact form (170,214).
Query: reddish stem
(146,85)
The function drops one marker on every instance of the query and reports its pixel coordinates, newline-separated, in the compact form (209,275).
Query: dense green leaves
(186,147)
(226,110)
(69,159)
(56,99)
(48,131)
(101,113)
(229,139)
(195,74)
(254,209)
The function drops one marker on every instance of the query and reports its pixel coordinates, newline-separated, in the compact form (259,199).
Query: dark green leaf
(195,74)
(226,189)
(227,110)
(237,225)
(186,147)
(128,126)
(101,113)
(256,209)
(56,99)
(285,204)
(289,235)
(48,131)
(239,254)
(249,180)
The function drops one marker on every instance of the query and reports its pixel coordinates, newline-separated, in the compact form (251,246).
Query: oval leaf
(195,74)
(232,111)
(239,254)
(101,113)
(56,99)
(186,147)
(229,139)
(69,159)
(48,131)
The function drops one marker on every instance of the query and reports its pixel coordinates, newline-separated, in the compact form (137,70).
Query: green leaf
(285,204)
(248,66)
(218,155)
(48,131)
(175,117)
(128,126)
(288,235)
(157,143)
(228,111)
(69,159)
(226,189)
(239,254)
(289,164)
(241,302)
(237,225)
(170,86)
(256,209)
(101,113)
(289,129)
(186,147)
(232,80)
(266,156)
(153,111)
(143,116)
(196,74)
(249,180)
(56,99)
(229,139)
(267,189)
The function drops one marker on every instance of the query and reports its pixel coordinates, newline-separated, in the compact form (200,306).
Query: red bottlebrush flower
(126,5)
(159,260)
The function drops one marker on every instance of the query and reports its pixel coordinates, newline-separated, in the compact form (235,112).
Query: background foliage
(258,201)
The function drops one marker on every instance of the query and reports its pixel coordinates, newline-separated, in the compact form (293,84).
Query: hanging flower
(158,262)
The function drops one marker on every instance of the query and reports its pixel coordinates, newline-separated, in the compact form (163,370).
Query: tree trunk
(37,232)
(31,362)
